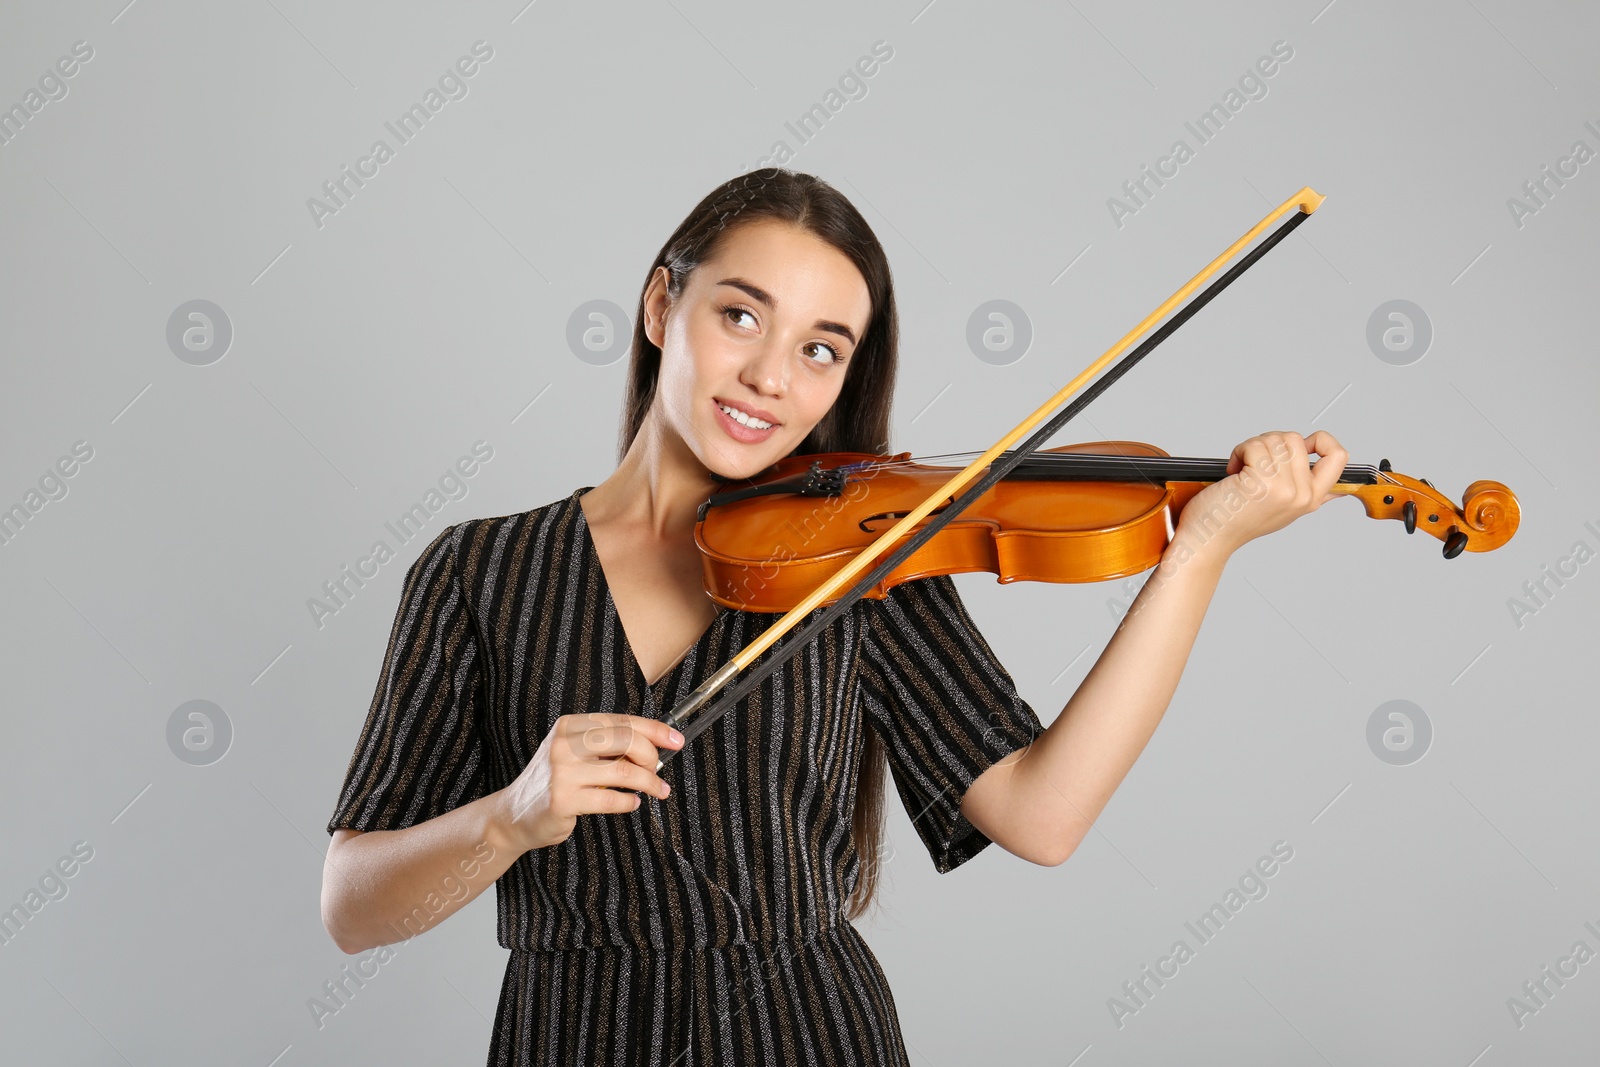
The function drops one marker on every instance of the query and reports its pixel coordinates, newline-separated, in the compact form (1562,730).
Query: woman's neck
(657,487)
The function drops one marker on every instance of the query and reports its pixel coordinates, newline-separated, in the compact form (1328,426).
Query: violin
(1075,513)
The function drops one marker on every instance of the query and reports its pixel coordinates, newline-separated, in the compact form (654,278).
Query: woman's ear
(657,302)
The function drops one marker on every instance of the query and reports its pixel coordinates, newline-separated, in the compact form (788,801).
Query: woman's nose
(766,370)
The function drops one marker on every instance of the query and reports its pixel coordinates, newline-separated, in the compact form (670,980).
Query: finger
(1253,479)
(599,735)
(1325,444)
(649,737)
(621,773)
(608,802)
(1330,464)
(1299,464)
(1264,462)
(1257,456)
(1239,458)
(1279,444)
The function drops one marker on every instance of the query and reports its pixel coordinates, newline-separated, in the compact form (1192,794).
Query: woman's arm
(1040,802)
(384,886)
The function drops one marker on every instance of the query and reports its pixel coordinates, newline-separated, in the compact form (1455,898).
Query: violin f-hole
(896,516)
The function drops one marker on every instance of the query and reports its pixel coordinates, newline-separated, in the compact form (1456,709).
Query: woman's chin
(723,473)
(726,468)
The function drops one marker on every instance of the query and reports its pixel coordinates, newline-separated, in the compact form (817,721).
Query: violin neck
(1093,467)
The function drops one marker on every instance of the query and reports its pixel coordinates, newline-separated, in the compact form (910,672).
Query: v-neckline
(610,601)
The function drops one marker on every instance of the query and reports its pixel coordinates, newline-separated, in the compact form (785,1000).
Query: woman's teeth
(745,420)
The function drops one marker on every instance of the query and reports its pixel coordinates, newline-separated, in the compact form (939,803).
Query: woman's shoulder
(498,542)
(517,518)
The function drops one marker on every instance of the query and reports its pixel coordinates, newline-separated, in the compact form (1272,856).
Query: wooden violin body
(1076,513)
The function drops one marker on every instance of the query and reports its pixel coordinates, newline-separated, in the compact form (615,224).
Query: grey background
(369,353)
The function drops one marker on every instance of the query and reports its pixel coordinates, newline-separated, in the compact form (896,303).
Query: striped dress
(706,928)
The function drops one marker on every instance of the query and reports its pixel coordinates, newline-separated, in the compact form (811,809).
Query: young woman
(704,915)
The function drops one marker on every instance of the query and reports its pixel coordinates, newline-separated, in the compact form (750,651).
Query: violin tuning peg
(1409,515)
(1425,482)
(1454,542)
(1383,465)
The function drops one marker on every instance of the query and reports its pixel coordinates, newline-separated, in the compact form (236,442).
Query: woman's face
(755,348)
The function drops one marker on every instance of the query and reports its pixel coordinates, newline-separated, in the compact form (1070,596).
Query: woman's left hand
(1270,483)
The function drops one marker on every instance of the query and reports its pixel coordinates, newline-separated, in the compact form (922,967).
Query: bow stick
(1306,201)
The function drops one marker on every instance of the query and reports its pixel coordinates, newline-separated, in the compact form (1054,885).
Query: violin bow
(1302,204)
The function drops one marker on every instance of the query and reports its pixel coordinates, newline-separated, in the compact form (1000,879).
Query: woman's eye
(827,353)
(734,313)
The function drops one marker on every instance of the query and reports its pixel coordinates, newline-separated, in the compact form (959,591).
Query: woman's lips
(738,431)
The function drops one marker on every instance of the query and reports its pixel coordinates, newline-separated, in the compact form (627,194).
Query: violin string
(1064,457)
(1068,458)
(1374,475)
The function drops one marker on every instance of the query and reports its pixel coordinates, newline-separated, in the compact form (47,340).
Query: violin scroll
(1487,518)
(1493,509)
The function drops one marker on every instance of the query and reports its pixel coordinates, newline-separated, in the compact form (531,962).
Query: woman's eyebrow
(762,296)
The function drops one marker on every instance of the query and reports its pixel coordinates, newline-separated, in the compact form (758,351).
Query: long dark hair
(858,420)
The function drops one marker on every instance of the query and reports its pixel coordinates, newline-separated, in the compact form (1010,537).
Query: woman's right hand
(583,767)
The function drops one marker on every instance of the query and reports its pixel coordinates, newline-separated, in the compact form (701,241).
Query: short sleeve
(944,706)
(419,754)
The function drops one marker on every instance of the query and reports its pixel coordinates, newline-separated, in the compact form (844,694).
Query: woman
(704,917)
